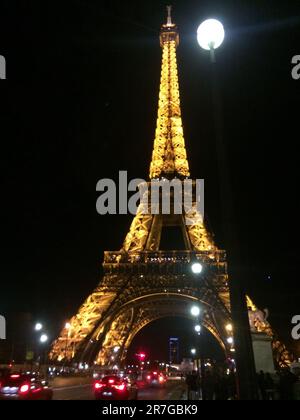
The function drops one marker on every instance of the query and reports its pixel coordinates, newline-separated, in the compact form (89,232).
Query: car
(156,379)
(116,388)
(24,387)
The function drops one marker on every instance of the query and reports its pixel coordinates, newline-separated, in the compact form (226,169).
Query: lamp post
(197,268)
(198,329)
(43,341)
(43,338)
(194,354)
(210,36)
(195,312)
(141,357)
(38,327)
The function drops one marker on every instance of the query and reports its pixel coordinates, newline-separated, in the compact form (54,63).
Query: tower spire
(169,155)
(169,21)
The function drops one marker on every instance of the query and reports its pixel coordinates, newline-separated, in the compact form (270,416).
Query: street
(173,391)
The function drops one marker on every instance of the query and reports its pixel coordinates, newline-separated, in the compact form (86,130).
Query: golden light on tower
(141,282)
(229,328)
(169,155)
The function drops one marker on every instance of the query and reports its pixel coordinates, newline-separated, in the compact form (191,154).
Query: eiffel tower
(142,283)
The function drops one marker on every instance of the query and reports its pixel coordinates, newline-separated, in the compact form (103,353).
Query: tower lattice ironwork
(142,283)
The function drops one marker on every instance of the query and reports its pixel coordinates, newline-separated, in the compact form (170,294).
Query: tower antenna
(169,21)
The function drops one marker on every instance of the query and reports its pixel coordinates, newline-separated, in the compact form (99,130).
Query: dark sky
(80,104)
(175,327)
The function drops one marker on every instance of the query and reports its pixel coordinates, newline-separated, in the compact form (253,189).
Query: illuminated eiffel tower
(142,283)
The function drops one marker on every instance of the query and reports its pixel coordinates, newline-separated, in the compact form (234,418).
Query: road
(173,391)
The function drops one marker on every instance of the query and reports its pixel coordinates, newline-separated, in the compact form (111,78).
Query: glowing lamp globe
(210,34)
(197,268)
(43,338)
(195,311)
(38,326)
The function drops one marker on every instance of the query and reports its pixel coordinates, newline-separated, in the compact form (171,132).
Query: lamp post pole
(195,312)
(43,354)
(245,363)
(200,360)
(210,36)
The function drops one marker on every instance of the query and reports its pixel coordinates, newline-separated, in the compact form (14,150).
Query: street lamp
(197,268)
(193,351)
(230,340)
(195,311)
(210,36)
(198,328)
(43,338)
(38,326)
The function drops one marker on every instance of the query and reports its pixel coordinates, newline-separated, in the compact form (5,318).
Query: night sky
(80,104)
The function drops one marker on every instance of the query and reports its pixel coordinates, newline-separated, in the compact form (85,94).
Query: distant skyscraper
(174,350)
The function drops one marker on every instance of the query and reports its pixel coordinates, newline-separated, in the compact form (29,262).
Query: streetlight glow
(197,268)
(195,311)
(198,328)
(43,338)
(230,340)
(210,34)
(38,326)
(193,351)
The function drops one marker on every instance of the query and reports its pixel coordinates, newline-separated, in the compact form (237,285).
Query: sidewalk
(179,393)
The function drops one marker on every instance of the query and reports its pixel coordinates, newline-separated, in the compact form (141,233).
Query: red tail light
(161,379)
(15,376)
(24,389)
(119,387)
(98,386)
